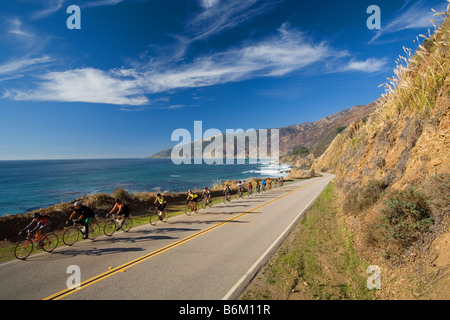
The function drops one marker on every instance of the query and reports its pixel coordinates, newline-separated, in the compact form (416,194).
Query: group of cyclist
(85,214)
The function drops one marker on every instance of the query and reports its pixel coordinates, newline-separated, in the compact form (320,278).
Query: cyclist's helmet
(76,204)
(118,201)
(36,215)
(159,195)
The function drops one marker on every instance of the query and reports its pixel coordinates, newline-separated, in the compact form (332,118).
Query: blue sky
(139,69)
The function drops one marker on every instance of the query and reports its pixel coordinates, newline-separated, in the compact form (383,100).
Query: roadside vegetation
(317,261)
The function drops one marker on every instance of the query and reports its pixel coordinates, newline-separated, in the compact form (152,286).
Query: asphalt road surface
(209,255)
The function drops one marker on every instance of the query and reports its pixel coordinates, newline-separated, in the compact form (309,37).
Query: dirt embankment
(393,175)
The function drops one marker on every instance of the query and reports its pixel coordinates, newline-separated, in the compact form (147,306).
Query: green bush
(406,217)
(122,194)
(360,199)
(300,151)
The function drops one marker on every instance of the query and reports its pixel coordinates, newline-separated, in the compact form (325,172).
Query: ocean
(27,185)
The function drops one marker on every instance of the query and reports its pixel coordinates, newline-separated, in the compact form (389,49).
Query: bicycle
(112,225)
(240,193)
(206,202)
(189,208)
(71,235)
(226,198)
(155,217)
(250,192)
(25,247)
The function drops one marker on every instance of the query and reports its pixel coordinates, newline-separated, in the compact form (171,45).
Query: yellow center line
(107,274)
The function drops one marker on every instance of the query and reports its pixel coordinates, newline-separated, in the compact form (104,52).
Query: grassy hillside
(393,170)
(389,204)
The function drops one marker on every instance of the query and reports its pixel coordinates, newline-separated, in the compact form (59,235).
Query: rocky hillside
(315,136)
(393,170)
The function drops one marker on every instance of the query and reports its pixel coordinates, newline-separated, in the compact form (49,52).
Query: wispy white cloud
(219,16)
(287,51)
(415,16)
(50,6)
(15,27)
(15,66)
(99,3)
(369,65)
(84,85)
(208,3)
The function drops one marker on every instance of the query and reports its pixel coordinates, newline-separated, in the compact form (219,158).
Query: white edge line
(275,243)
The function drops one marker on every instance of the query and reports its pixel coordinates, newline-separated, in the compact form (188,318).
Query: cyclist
(207,193)
(86,214)
(240,187)
(263,184)
(269,184)
(123,212)
(250,187)
(161,205)
(227,191)
(42,226)
(258,187)
(192,198)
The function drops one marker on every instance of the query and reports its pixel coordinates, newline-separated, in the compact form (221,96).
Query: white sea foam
(271,170)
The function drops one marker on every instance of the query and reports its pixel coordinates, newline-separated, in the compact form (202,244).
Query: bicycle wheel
(50,242)
(209,203)
(94,230)
(128,223)
(154,218)
(187,209)
(202,204)
(70,236)
(109,228)
(164,216)
(23,249)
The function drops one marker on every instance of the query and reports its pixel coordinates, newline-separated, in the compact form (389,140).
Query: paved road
(210,255)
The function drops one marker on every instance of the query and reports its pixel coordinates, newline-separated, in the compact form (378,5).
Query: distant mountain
(314,137)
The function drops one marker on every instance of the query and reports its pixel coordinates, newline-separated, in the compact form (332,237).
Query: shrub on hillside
(360,199)
(122,194)
(406,218)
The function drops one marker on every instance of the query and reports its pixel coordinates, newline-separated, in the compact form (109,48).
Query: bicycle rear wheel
(23,249)
(94,230)
(128,223)
(50,242)
(109,228)
(70,236)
